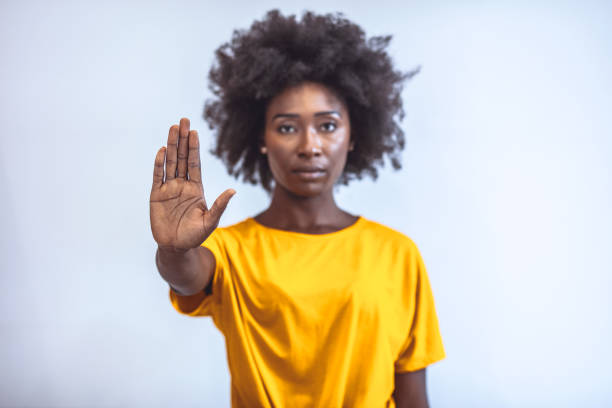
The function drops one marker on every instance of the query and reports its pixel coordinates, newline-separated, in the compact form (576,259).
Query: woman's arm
(180,217)
(410,390)
(187,272)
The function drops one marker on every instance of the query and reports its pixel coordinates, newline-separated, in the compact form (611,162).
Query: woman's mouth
(309,173)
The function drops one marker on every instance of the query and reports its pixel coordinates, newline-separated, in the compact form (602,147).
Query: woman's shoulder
(242,225)
(380,231)
(364,229)
(236,229)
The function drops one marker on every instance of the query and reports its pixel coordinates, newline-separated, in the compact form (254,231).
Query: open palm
(180,218)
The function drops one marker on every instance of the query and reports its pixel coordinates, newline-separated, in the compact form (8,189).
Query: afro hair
(282,51)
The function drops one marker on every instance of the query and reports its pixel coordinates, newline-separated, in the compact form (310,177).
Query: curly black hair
(280,51)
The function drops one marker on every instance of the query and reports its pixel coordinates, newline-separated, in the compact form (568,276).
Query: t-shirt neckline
(342,231)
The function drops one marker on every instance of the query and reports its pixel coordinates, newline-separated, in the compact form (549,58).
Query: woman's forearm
(187,272)
(411,390)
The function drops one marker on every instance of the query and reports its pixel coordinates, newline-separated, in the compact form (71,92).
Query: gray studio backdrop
(505,189)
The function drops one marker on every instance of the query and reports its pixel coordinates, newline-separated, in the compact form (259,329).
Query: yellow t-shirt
(319,320)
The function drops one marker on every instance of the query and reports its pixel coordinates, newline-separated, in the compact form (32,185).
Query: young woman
(319,307)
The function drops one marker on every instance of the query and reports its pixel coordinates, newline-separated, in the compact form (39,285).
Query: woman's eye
(286,129)
(328,126)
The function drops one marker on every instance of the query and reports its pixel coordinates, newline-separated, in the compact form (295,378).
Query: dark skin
(307,138)
(411,389)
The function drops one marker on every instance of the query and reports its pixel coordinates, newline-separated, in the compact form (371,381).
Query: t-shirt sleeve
(423,345)
(211,303)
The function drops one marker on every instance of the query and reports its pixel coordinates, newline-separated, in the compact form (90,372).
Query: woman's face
(307,137)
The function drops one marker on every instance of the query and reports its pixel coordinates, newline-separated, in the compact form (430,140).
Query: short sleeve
(423,345)
(211,303)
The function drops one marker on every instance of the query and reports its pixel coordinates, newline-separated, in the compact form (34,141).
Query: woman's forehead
(304,98)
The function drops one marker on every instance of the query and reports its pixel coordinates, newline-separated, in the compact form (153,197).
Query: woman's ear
(262,143)
(351,146)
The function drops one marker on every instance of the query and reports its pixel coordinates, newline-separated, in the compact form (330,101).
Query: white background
(505,189)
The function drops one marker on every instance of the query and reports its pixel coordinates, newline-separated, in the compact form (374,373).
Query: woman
(319,307)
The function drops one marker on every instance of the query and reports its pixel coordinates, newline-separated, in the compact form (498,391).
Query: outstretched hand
(180,218)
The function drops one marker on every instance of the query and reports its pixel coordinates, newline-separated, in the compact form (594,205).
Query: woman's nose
(310,144)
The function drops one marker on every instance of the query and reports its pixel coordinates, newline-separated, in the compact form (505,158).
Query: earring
(351,147)
(263,149)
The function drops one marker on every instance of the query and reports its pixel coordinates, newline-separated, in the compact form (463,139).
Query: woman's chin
(308,189)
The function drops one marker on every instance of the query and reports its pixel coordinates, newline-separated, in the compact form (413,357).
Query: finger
(158,169)
(173,136)
(220,204)
(194,168)
(183,146)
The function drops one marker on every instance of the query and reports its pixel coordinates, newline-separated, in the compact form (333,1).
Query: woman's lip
(310,174)
(308,169)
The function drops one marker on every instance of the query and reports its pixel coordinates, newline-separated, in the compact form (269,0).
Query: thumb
(220,204)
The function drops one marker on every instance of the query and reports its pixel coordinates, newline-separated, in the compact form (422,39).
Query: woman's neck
(313,215)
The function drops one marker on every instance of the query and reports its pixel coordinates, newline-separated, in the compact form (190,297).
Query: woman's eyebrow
(295,115)
(286,115)
(328,113)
